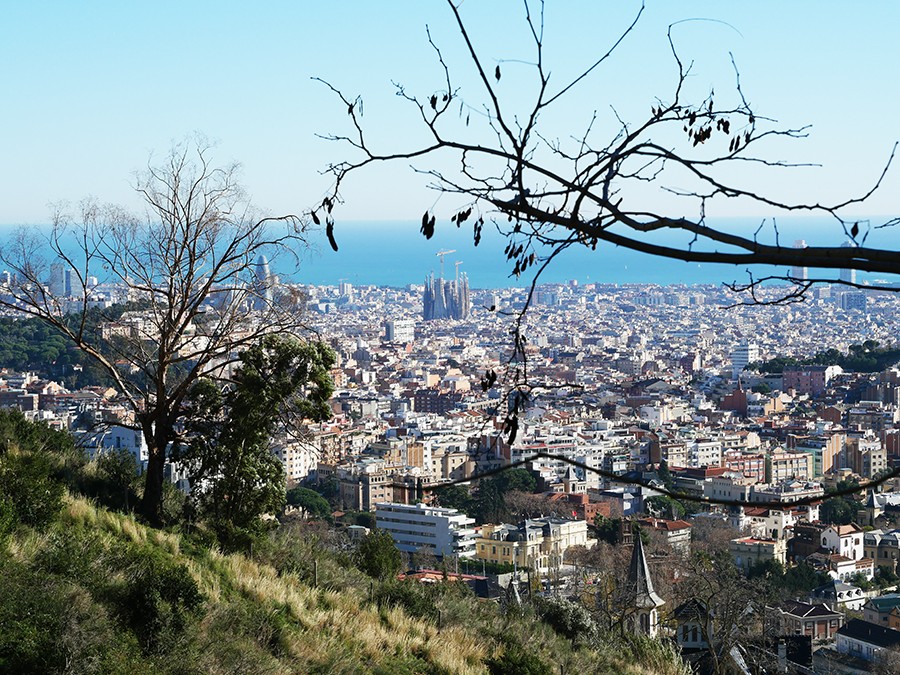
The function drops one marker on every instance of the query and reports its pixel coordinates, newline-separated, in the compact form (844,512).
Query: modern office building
(799,271)
(848,276)
(854,301)
(445,532)
(263,284)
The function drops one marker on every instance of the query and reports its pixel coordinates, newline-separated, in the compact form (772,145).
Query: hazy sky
(90,89)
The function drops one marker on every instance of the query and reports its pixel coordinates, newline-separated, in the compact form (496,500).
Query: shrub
(28,484)
(569,619)
(157,597)
(516,659)
(31,615)
(412,596)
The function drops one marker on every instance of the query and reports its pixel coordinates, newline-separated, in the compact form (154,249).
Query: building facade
(444,532)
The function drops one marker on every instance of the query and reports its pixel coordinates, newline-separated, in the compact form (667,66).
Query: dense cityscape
(632,393)
(450,338)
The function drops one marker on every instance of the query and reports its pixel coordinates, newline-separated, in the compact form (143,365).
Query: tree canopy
(377,556)
(867,357)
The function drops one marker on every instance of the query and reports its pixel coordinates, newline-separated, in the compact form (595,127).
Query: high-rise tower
(848,276)
(262,284)
(799,271)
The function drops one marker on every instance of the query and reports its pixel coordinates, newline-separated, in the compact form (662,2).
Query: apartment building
(445,532)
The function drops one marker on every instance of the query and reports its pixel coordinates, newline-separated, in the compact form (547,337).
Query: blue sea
(395,253)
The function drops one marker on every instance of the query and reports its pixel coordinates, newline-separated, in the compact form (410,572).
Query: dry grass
(323,629)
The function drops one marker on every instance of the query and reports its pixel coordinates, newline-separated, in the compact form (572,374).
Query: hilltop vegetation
(868,357)
(87,589)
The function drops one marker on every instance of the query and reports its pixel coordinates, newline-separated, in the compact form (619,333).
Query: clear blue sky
(91,88)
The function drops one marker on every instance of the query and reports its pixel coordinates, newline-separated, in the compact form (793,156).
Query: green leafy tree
(377,555)
(330,489)
(488,503)
(235,477)
(516,479)
(609,529)
(801,579)
(665,474)
(455,497)
(838,511)
(314,504)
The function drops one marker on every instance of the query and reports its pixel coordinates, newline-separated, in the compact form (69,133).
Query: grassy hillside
(88,590)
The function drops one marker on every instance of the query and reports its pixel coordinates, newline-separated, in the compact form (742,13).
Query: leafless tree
(549,189)
(190,269)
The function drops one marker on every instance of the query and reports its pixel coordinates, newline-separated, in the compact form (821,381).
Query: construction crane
(457,263)
(441,254)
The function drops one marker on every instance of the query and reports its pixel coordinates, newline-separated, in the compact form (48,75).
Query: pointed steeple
(640,584)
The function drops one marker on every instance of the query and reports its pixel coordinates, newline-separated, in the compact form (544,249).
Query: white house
(845,540)
(864,639)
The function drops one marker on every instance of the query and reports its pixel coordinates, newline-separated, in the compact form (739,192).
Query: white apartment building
(704,452)
(400,330)
(417,526)
(115,438)
(744,354)
(299,459)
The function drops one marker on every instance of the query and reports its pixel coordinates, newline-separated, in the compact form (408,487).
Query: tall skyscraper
(262,284)
(57,285)
(799,271)
(848,275)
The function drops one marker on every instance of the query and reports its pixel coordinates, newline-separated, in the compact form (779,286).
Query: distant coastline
(394,253)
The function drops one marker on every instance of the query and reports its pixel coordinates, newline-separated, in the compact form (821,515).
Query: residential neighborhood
(649,425)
